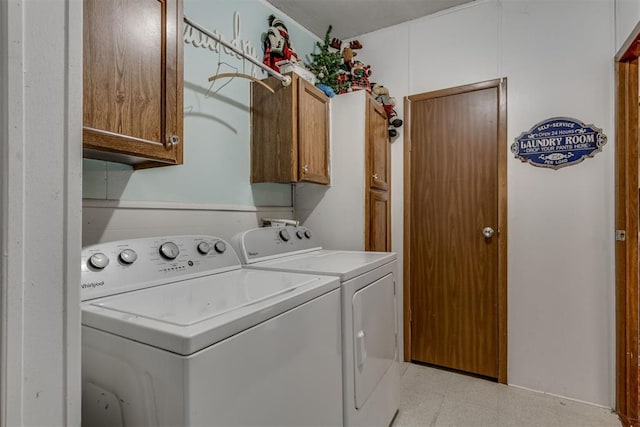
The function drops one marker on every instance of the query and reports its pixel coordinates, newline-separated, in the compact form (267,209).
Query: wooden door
(313,134)
(626,219)
(378,151)
(454,196)
(132,85)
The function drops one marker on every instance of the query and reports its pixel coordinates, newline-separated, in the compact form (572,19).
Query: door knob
(488,232)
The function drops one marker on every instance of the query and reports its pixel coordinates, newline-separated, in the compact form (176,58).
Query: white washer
(175,332)
(371,379)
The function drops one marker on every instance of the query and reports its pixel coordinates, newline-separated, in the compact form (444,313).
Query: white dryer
(175,332)
(371,379)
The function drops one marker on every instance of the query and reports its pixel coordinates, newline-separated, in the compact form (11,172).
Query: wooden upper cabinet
(378,148)
(133,81)
(289,132)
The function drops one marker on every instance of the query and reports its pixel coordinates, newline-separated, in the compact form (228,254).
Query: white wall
(104,220)
(337,211)
(627,17)
(40,172)
(558,58)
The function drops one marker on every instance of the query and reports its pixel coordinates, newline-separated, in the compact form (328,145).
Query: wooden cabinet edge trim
(121,144)
(406,232)
(456,90)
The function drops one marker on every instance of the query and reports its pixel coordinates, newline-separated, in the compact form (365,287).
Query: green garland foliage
(326,64)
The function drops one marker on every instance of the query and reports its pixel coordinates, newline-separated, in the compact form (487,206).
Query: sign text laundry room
(558,142)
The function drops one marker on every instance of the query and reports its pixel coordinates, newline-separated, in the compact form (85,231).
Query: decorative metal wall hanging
(558,142)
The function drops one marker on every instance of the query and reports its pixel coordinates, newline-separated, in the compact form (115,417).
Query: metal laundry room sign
(558,142)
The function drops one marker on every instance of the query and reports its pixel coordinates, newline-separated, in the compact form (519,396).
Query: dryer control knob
(307,234)
(300,234)
(204,248)
(98,260)
(284,235)
(128,256)
(220,247)
(169,250)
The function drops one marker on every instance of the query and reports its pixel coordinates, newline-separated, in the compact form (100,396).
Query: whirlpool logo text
(92,285)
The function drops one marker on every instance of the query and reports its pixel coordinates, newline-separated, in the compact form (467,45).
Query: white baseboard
(560,396)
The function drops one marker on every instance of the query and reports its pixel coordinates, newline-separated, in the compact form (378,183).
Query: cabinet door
(133,80)
(274,150)
(313,134)
(378,149)
(378,221)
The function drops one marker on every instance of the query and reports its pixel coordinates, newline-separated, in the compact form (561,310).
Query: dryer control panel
(261,244)
(126,265)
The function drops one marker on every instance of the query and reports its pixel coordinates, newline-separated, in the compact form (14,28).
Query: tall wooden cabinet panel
(289,132)
(133,81)
(378,159)
(378,152)
(354,212)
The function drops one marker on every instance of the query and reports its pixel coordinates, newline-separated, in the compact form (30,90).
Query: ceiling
(355,17)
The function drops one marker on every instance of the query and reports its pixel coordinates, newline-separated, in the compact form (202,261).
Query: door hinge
(621,235)
(394,286)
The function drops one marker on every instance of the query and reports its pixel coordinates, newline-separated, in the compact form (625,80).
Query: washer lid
(345,264)
(186,316)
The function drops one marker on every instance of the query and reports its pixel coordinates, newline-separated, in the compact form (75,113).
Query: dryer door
(374,335)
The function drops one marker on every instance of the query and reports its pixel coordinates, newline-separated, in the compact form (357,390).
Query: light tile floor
(432,397)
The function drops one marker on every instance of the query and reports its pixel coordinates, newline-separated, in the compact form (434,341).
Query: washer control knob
(128,256)
(220,247)
(300,234)
(98,260)
(307,234)
(284,235)
(204,248)
(169,250)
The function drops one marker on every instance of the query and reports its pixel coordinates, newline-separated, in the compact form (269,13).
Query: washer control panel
(115,267)
(261,244)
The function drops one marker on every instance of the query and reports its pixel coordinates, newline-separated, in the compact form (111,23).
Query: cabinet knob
(172,141)
(375,176)
(305,168)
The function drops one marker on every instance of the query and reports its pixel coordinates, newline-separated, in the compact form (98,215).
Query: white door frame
(40,211)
